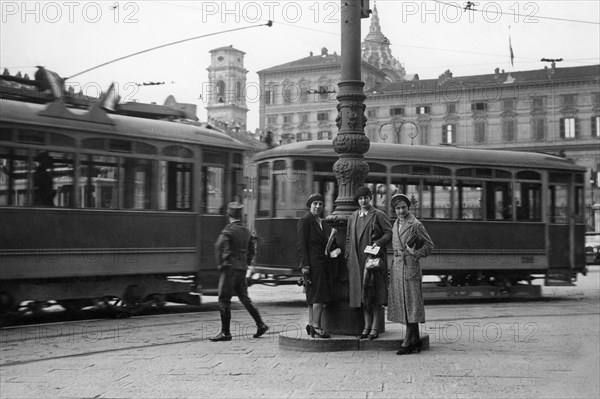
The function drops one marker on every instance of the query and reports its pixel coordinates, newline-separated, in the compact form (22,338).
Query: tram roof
(438,154)
(57,115)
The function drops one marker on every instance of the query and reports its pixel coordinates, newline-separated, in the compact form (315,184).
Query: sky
(427,37)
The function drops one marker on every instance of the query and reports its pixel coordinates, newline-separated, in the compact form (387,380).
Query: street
(542,348)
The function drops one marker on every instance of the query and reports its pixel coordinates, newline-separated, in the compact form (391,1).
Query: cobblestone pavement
(543,349)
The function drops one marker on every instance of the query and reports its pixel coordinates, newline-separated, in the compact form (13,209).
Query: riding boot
(225,310)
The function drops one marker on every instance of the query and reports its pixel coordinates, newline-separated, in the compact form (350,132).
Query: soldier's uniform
(235,249)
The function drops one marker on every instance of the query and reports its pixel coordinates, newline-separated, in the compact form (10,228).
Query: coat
(235,247)
(312,240)
(376,229)
(405,302)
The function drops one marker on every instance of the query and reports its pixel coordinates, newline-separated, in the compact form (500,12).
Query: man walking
(235,249)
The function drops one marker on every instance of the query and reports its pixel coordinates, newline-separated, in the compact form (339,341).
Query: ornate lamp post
(350,169)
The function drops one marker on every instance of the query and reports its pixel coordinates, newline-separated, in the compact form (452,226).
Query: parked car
(592,248)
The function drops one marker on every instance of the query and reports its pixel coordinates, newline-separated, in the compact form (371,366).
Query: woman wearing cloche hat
(368,226)
(317,248)
(410,242)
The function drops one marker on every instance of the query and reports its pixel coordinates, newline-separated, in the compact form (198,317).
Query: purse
(373,263)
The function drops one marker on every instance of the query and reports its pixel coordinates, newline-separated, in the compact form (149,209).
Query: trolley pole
(350,169)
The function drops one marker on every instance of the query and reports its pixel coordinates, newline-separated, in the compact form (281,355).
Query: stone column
(350,169)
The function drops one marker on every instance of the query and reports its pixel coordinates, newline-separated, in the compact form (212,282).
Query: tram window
(101,176)
(39,178)
(15,177)
(559,204)
(528,200)
(137,179)
(380,196)
(61,171)
(469,201)
(177,179)
(436,199)
(328,188)
(264,190)
(498,197)
(213,185)
(579,204)
(281,198)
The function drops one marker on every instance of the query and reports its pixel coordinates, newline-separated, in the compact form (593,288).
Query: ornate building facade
(552,110)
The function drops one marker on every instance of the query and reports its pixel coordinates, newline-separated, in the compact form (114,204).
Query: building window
(424,134)
(539,130)
(396,111)
(272,119)
(304,118)
(287,96)
(423,110)
(478,107)
(508,105)
(324,135)
(479,132)
(509,129)
(323,116)
(269,97)
(596,126)
(303,136)
(449,134)
(323,93)
(238,91)
(568,128)
(451,108)
(372,113)
(287,118)
(568,100)
(537,104)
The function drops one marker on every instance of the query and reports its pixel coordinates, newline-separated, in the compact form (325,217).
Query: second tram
(498,218)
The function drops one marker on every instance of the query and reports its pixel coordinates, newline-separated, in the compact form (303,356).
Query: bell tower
(227,95)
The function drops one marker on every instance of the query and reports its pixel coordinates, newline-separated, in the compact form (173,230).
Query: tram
(499,219)
(98,203)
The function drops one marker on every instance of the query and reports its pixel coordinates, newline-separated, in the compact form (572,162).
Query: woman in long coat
(367,226)
(405,304)
(316,262)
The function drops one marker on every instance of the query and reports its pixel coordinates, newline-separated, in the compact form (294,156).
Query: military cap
(234,209)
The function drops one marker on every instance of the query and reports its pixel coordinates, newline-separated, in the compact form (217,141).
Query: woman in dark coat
(405,304)
(316,262)
(367,226)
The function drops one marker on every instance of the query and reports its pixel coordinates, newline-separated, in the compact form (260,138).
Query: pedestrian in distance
(410,242)
(369,230)
(317,249)
(234,249)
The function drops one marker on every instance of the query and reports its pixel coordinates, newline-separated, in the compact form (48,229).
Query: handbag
(373,262)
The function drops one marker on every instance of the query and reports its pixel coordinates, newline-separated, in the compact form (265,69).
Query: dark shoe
(364,334)
(319,332)
(261,330)
(308,329)
(405,350)
(221,337)
(374,334)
